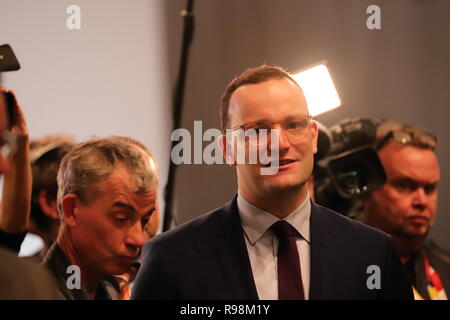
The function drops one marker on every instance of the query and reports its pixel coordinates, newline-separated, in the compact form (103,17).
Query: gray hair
(404,134)
(91,162)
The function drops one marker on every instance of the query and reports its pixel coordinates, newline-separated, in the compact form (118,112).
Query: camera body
(350,168)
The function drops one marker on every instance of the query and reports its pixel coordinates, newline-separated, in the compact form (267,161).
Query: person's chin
(417,231)
(118,267)
(279,183)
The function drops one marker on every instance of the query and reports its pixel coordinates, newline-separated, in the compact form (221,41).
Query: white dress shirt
(262,245)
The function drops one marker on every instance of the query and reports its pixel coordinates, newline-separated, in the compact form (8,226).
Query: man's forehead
(410,162)
(267,87)
(267,93)
(140,200)
(121,179)
(123,189)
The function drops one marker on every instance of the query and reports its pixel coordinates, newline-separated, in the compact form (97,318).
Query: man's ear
(48,205)
(315,135)
(69,207)
(227,150)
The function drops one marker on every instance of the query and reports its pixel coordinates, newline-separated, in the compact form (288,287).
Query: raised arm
(17,183)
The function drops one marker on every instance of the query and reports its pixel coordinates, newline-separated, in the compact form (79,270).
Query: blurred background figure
(46,154)
(405,207)
(386,174)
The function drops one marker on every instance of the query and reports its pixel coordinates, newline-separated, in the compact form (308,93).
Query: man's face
(275,100)
(405,206)
(3,125)
(110,230)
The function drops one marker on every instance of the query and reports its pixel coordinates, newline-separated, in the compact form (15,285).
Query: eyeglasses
(404,134)
(7,143)
(259,132)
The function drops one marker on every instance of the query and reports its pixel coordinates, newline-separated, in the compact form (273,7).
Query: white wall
(108,78)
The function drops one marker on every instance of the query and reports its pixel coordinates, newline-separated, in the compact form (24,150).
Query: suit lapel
(322,256)
(232,253)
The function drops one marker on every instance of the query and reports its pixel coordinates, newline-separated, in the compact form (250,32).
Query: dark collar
(58,264)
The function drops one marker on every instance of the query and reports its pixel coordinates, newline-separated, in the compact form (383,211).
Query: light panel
(319,89)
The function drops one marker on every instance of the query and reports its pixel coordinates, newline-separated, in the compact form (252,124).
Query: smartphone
(8,60)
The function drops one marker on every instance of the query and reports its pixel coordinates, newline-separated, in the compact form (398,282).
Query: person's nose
(283,139)
(420,199)
(136,237)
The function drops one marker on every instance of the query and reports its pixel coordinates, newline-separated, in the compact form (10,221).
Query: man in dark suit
(271,241)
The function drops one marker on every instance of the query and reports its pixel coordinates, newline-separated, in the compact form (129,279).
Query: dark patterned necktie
(290,286)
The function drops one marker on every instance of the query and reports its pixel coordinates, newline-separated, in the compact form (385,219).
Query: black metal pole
(188,31)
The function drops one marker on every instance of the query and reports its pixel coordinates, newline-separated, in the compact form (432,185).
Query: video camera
(349,167)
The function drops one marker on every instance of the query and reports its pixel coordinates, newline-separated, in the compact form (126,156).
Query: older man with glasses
(405,206)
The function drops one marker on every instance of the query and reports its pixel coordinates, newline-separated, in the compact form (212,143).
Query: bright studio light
(319,90)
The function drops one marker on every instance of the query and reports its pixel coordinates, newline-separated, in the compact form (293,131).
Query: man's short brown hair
(250,76)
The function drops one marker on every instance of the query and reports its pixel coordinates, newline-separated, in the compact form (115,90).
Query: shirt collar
(256,221)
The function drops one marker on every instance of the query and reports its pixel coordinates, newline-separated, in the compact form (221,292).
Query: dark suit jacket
(23,280)
(207,259)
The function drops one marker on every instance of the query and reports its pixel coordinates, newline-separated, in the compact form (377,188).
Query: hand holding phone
(16,118)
